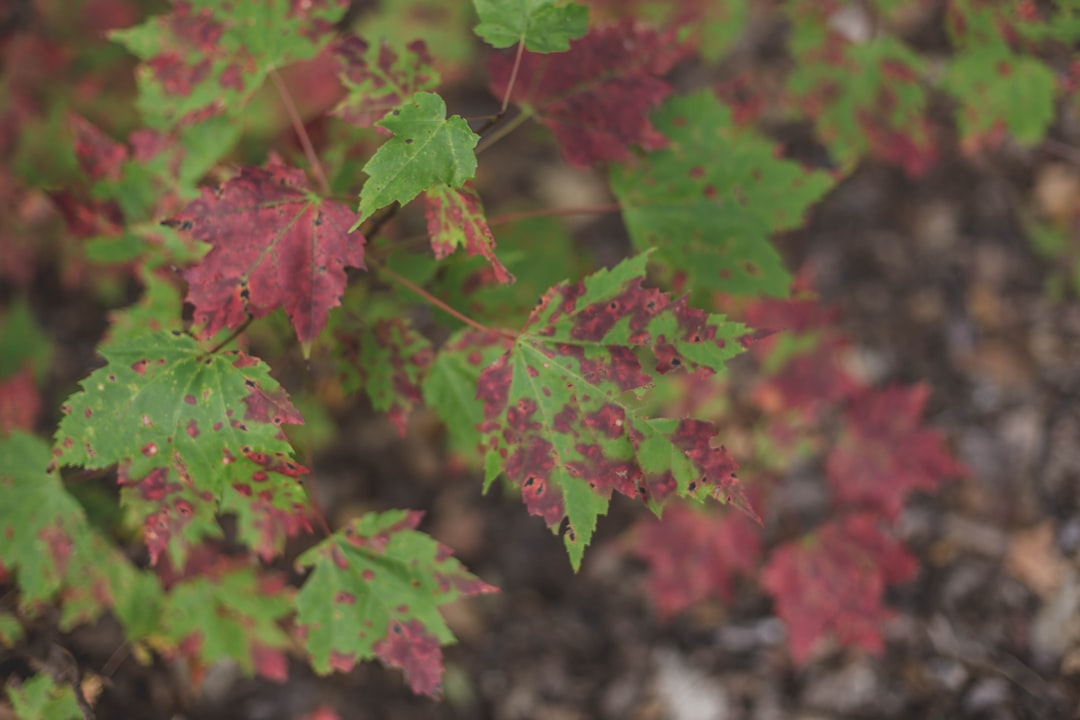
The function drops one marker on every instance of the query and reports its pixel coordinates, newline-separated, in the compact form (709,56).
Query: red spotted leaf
(694,556)
(205,58)
(833,583)
(885,453)
(374,591)
(389,359)
(192,435)
(274,244)
(230,616)
(379,78)
(596,97)
(455,218)
(561,420)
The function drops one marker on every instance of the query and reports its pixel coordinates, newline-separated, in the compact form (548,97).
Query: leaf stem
(502,132)
(232,336)
(513,74)
(301,133)
(406,282)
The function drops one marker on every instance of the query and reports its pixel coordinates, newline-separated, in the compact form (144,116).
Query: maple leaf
(205,57)
(427,150)
(596,97)
(710,201)
(542,25)
(374,591)
(863,96)
(41,525)
(192,434)
(47,541)
(560,422)
(379,78)
(231,616)
(455,218)
(693,556)
(388,358)
(884,454)
(41,697)
(833,582)
(274,244)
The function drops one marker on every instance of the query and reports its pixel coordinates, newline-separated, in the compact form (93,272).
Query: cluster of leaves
(200,207)
(827,579)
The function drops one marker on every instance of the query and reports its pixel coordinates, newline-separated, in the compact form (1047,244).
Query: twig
(301,133)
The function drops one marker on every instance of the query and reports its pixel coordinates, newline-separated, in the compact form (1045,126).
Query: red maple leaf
(275,244)
(596,97)
(885,454)
(693,555)
(833,582)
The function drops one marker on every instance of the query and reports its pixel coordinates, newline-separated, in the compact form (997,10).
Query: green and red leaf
(374,591)
(192,435)
(561,418)
(379,78)
(455,218)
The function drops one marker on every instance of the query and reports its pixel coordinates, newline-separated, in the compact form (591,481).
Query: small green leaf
(543,26)
(39,698)
(427,150)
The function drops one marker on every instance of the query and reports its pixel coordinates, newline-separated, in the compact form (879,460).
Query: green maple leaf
(42,527)
(542,25)
(40,698)
(709,202)
(428,149)
(561,410)
(375,590)
(229,616)
(46,539)
(998,88)
(192,434)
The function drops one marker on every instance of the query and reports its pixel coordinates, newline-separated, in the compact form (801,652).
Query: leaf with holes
(381,77)
(597,96)
(561,420)
(455,218)
(709,202)
(233,615)
(542,25)
(885,453)
(192,434)
(833,582)
(208,57)
(374,591)
(428,150)
(274,244)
